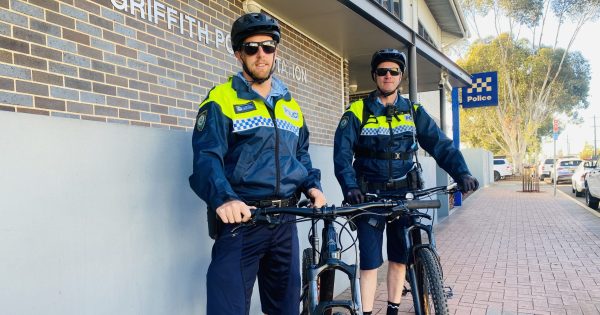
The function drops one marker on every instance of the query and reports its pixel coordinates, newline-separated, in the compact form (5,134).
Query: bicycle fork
(321,301)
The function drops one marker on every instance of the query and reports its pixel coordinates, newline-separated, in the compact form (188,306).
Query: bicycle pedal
(405,291)
(448,292)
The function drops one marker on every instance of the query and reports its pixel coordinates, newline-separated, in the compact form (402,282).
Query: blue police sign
(482,92)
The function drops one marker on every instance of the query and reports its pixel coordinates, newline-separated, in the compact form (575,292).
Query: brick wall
(90,60)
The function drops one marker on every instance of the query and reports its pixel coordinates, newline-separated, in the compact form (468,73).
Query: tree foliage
(588,152)
(536,80)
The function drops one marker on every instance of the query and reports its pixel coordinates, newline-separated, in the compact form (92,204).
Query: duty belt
(290,202)
(382,155)
(395,185)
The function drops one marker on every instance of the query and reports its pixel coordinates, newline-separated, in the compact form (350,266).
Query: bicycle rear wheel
(430,282)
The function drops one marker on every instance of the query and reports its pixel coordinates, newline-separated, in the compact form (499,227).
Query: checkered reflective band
(251,123)
(386,131)
(286,125)
(259,121)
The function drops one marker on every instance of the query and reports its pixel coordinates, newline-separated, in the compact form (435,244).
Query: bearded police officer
(251,150)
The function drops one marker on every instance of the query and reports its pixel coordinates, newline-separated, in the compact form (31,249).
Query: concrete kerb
(581,204)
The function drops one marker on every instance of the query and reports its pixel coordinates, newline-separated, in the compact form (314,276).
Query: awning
(354,29)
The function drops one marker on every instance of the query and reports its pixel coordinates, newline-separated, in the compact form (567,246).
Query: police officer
(381,133)
(251,150)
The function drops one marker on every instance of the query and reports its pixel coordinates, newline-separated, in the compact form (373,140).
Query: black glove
(468,183)
(355,196)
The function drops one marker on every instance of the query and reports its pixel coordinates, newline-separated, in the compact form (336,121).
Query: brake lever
(452,188)
(304,203)
(371,197)
(397,211)
(256,217)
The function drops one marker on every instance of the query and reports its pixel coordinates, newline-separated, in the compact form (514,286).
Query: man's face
(387,82)
(259,63)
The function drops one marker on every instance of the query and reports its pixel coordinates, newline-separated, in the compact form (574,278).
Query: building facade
(97,102)
(145,63)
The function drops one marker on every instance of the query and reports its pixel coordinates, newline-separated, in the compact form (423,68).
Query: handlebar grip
(422,204)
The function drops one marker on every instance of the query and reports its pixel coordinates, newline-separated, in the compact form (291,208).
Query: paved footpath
(509,252)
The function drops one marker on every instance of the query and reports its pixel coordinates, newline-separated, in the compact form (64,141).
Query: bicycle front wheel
(430,282)
(307,261)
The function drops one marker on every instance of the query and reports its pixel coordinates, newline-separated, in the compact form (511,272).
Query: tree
(588,152)
(536,81)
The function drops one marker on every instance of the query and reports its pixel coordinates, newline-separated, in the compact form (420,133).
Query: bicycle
(424,270)
(318,267)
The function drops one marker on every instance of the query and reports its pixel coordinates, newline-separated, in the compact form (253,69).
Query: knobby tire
(431,282)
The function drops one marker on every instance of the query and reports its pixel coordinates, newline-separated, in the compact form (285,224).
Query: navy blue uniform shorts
(370,241)
(272,254)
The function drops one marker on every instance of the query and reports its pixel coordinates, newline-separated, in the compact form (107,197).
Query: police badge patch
(201,120)
(244,108)
(343,122)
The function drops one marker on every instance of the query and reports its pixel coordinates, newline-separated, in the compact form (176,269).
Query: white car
(592,187)
(578,178)
(502,168)
(564,169)
(545,168)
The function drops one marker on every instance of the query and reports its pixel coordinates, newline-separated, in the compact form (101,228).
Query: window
(386,4)
(499,162)
(570,163)
(396,9)
(423,33)
(392,6)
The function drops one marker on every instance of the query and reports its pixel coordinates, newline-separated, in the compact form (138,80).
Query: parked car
(592,187)
(546,166)
(502,168)
(578,178)
(564,169)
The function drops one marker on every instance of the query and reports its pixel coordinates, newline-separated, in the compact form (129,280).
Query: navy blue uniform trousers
(271,253)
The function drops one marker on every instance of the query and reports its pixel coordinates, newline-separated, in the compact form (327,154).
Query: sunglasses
(383,71)
(251,48)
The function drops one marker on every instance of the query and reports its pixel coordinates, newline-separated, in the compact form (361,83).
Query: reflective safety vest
(247,150)
(378,146)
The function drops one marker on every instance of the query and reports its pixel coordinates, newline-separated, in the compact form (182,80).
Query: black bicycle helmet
(388,54)
(252,24)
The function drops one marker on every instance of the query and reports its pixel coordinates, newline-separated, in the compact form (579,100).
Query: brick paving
(508,252)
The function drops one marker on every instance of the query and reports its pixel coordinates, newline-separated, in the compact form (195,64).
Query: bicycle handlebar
(325,211)
(398,204)
(418,193)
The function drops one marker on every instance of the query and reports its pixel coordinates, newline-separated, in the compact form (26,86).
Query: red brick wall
(88,60)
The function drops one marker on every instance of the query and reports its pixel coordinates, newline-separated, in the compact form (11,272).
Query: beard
(261,73)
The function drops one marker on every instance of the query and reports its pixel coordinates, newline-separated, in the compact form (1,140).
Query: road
(566,188)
